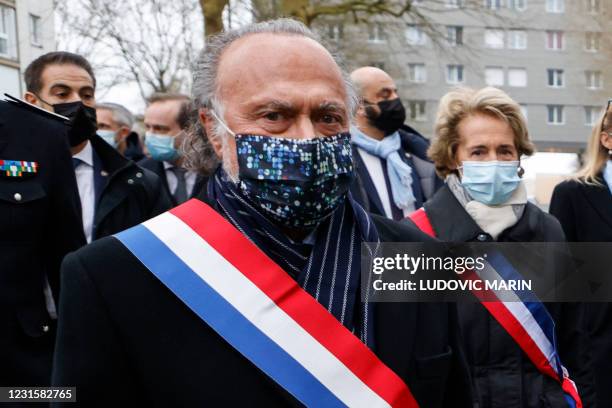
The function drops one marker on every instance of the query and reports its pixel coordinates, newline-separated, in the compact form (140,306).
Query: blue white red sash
(523,316)
(260,311)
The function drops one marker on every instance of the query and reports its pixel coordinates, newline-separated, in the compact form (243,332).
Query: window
(415,35)
(524,110)
(493,4)
(555,78)
(593,6)
(517,39)
(454,74)
(494,76)
(35,30)
(454,35)
(554,40)
(8,35)
(591,41)
(454,3)
(416,111)
(377,33)
(592,115)
(518,5)
(417,73)
(335,31)
(593,79)
(555,115)
(517,77)
(555,6)
(494,38)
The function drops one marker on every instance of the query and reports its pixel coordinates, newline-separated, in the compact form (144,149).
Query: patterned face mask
(296,182)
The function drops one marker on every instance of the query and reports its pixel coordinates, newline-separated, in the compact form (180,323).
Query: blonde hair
(596,153)
(461,103)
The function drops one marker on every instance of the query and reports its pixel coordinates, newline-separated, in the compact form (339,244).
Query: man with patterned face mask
(257,289)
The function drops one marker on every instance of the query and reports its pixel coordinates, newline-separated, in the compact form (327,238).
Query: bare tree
(148,42)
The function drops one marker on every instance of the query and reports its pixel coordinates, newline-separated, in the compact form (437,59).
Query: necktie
(180,194)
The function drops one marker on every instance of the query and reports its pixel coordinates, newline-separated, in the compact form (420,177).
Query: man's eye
(476,153)
(330,119)
(273,116)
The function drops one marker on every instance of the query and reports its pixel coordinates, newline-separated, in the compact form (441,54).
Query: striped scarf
(328,268)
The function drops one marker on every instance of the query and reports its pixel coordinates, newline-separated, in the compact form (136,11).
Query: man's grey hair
(198,152)
(121,115)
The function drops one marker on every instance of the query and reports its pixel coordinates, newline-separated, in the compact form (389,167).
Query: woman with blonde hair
(583,205)
(480,137)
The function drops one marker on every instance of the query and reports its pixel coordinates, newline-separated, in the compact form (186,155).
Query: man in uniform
(39,224)
(253,298)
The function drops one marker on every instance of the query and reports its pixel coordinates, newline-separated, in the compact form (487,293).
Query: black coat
(503,375)
(413,152)
(130,195)
(40,222)
(157,167)
(585,212)
(121,329)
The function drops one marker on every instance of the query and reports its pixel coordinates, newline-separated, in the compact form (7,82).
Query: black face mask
(82,120)
(391,117)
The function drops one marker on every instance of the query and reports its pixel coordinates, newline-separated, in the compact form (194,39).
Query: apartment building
(552,56)
(26,31)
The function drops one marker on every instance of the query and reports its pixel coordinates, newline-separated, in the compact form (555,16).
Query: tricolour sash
(523,317)
(261,311)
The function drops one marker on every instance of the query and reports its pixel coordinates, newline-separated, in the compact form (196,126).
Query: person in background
(115,193)
(394,175)
(480,136)
(583,205)
(166,119)
(115,124)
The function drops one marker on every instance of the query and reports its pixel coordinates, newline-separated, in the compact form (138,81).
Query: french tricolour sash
(522,315)
(261,311)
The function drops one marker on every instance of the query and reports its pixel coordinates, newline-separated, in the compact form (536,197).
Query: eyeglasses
(605,114)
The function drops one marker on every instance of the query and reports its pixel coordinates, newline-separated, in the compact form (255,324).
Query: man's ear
(123,133)
(31,98)
(209,127)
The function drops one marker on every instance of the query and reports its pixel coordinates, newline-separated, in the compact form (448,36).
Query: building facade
(551,56)
(26,31)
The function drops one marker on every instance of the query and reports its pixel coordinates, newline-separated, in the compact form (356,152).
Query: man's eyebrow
(87,88)
(274,104)
(331,107)
(59,85)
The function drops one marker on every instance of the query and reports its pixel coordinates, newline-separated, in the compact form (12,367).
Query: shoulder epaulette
(31,107)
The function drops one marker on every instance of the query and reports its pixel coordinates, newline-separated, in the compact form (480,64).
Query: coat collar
(452,223)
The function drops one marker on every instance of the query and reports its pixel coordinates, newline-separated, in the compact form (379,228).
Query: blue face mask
(108,136)
(161,147)
(490,182)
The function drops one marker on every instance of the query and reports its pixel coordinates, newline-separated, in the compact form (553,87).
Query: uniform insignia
(17,168)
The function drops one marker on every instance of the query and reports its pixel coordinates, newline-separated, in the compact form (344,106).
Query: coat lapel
(368,184)
(600,198)
(449,219)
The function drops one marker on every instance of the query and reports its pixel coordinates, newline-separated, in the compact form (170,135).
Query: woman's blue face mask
(490,182)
